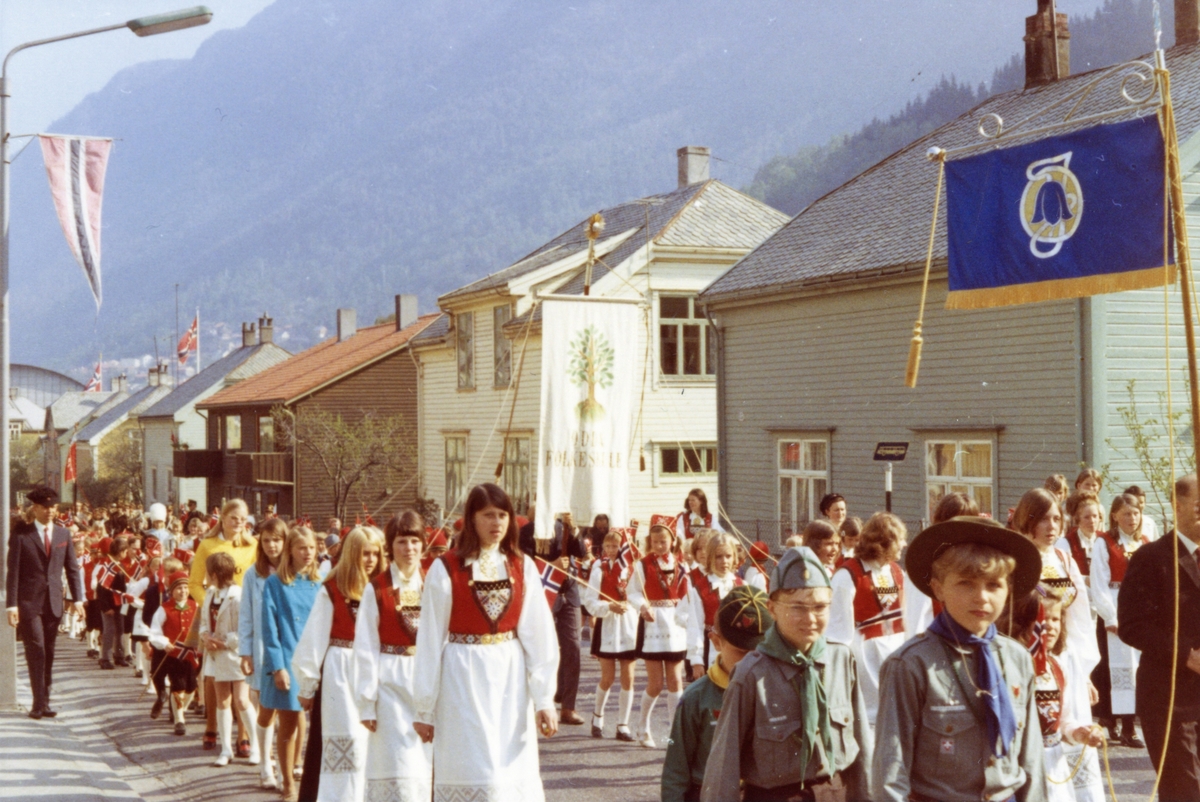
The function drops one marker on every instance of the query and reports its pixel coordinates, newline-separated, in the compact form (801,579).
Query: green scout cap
(742,618)
(799,568)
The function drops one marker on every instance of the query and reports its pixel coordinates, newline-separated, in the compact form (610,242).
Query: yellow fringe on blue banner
(1061,289)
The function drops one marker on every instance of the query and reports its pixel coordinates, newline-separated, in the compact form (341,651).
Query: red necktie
(47,530)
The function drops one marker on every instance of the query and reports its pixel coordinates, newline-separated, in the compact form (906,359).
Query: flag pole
(1183,254)
(197,339)
(175,361)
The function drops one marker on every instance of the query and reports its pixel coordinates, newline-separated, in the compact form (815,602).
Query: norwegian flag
(94,384)
(625,555)
(182,652)
(190,341)
(69,470)
(552,581)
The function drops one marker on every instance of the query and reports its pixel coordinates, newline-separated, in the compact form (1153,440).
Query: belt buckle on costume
(403,651)
(664,603)
(485,639)
(342,642)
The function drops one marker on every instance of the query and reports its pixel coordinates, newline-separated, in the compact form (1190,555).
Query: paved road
(103,746)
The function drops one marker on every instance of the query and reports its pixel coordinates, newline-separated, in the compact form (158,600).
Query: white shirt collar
(1187,542)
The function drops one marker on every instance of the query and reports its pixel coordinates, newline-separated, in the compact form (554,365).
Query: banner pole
(1182,251)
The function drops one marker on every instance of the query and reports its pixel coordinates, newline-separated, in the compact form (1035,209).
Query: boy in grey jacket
(958,718)
(793,723)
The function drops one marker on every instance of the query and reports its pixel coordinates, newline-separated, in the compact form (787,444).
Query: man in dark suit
(38,553)
(1146,616)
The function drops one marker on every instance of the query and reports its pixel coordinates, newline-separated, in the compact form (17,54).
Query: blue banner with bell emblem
(1065,217)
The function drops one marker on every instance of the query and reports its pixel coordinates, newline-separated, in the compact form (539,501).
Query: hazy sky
(46,82)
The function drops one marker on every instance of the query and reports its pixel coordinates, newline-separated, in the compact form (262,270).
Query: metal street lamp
(142,26)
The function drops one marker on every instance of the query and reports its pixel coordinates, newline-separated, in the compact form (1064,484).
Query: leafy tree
(350,452)
(119,479)
(592,359)
(25,466)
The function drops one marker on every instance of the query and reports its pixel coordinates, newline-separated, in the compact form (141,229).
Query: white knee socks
(267,771)
(601,701)
(625,702)
(247,717)
(648,702)
(224,735)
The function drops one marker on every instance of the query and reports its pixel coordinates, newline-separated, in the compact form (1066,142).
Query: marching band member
(707,588)
(399,764)
(486,660)
(614,638)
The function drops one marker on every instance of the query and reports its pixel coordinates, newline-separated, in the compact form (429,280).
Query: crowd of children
(856,666)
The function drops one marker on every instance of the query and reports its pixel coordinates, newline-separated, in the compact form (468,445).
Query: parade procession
(872,479)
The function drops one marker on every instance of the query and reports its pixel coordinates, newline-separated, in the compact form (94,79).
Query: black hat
(44,496)
(932,542)
(742,617)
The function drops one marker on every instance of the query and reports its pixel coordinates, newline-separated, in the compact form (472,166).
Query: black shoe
(1131,740)
(156,708)
(48,713)
(35,714)
(138,674)
(181,729)
(597,729)
(93,653)
(623,734)
(107,665)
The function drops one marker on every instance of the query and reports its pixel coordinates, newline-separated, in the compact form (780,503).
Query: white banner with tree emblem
(589,384)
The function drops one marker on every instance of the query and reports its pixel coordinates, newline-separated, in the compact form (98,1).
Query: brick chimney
(1048,45)
(1187,22)
(249,337)
(693,164)
(266,329)
(406,311)
(347,324)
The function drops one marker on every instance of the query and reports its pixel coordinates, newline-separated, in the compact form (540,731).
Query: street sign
(890,452)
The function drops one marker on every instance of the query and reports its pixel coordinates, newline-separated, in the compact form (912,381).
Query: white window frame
(464,349)
(684,477)
(454,497)
(810,476)
(517,475)
(697,318)
(502,350)
(958,482)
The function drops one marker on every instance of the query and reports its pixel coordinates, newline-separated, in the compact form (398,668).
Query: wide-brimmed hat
(931,543)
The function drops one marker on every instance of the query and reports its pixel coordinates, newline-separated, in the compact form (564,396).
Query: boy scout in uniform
(740,623)
(959,718)
(793,725)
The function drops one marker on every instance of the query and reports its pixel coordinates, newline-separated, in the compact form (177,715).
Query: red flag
(75,166)
(94,384)
(190,341)
(69,468)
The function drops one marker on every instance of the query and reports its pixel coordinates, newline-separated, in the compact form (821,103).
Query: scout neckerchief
(718,675)
(810,687)
(1001,719)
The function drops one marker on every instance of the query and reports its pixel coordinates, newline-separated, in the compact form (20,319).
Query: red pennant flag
(190,341)
(75,166)
(69,469)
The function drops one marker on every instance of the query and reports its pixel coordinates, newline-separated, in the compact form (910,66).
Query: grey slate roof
(878,222)
(132,405)
(73,407)
(238,364)
(436,330)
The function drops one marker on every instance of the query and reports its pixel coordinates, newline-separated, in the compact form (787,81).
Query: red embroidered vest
(871,617)
(611,582)
(467,610)
(710,597)
(1078,553)
(687,523)
(397,624)
(344,613)
(1117,561)
(178,623)
(1050,702)
(662,586)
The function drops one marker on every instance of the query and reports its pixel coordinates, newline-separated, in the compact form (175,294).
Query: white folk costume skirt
(665,638)
(399,765)
(870,655)
(1058,788)
(1088,782)
(1122,672)
(485,735)
(615,636)
(343,737)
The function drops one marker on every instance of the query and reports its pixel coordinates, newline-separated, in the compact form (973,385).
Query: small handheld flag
(552,581)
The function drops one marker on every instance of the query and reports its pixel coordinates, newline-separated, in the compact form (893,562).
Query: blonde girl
(230,535)
(614,638)
(325,657)
(659,592)
(219,642)
(707,587)
(288,598)
(272,536)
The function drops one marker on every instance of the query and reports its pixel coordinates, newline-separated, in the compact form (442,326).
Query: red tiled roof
(319,365)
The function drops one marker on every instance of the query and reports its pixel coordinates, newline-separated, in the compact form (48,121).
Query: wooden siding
(388,387)
(838,361)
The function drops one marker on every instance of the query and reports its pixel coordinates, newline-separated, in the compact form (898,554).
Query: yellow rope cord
(914,348)
(1074,771)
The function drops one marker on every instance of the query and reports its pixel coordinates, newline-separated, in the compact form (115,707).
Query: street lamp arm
(62,38)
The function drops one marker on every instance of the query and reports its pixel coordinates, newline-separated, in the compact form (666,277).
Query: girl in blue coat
(288,598)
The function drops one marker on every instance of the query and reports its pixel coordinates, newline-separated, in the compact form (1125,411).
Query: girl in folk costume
(1109,561)
(231,535)
(1087,522)
(218,639)
(399,764)
(1061,689)
(695,515)
(704,595)
(110,590)
(867,609)
(288,597)
(614,638)
(919,609)
(325,657)
(168,630)
(92,565)
(1039,518)
(140,630)
(659,592)
(695,551)
(758,567)
(487,660)
(823,539)
(272,535)
(833,508)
